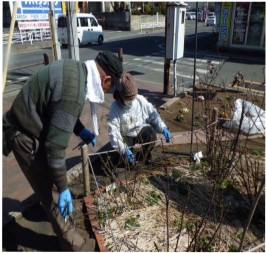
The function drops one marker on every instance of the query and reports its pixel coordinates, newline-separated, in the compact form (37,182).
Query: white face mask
(128,103)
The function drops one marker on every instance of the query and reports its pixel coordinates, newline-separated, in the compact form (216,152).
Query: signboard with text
(35,10)
(33,25)
(225,21)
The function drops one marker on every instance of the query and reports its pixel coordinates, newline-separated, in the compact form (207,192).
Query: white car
(88,29)
(191,15)
(211,20)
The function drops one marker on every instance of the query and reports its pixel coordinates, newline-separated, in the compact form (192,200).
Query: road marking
(18,80)
(184,67)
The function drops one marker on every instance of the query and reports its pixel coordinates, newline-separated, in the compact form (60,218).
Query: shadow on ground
(32,233)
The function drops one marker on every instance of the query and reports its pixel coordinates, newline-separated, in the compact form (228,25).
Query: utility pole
(166,63)
(55,43)
(73,44)
(103,6)
(11,30)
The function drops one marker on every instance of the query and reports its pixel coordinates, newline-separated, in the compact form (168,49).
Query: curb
(35,45)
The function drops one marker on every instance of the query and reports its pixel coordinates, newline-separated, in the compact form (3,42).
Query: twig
(252,210)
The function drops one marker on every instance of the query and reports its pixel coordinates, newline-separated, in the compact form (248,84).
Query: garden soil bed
(134,217)
(178,116)
(137,214)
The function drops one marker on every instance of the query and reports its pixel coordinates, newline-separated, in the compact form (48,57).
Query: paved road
(146,63)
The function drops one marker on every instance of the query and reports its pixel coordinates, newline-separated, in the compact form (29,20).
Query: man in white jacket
(132,119)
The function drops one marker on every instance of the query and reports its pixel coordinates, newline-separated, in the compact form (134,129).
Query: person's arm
(116,138)
(61,126)
(85,134)
(113,123)
(78,127)
(154,119)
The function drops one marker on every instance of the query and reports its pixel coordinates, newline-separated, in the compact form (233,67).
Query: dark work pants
(146,135)
(35,168)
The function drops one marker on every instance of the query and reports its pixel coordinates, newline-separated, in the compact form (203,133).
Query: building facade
(241,25)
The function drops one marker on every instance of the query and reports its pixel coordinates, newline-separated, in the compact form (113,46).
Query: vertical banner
(225,21)
(64,7)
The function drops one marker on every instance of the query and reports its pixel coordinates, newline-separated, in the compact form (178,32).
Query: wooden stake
(85,170)
(214,118)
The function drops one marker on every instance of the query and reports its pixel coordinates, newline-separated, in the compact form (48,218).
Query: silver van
(88,29)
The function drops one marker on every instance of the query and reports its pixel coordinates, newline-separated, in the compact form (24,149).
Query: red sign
(33,25)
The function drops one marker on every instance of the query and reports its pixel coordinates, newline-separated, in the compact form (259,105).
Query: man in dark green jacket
(38,127)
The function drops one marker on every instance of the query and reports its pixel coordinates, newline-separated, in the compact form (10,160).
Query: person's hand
(88,137)
(65,203)
(130,156)
(167,134)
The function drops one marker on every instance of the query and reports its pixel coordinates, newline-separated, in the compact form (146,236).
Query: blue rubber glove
(88,137)
(130,156)
(166,134)
(65,203)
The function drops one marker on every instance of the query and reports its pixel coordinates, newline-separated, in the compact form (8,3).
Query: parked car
(211,20)
(88,29)
(191,15)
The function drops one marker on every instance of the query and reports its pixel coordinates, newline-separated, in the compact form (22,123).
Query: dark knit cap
(110,64)
(128,89)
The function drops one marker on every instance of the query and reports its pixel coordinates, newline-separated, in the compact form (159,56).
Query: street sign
(33,25)
(35,10)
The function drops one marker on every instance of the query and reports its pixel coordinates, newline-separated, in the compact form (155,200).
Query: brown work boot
(88,245)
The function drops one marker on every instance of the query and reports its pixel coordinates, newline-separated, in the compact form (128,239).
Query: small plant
(257,153)
(225,106)
(184,110)
(176,174)
(176,223)
(153,198)
(145,180)
(239,234)
(190,226)
(131,222)
(103,216)
(197,166)
(179,118)
(223,115)
(224,184)
(233,248)
(196,123)
(231,98)
(203,244)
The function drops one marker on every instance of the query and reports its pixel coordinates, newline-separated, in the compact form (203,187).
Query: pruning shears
(67,215)
(79,145)
(83,142)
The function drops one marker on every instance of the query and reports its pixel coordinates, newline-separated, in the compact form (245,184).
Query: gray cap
(110,64)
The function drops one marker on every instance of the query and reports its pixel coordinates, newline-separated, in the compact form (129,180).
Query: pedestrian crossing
(184,67)
(152,69)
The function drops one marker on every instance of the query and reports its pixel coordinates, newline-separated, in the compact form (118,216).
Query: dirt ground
(178,116)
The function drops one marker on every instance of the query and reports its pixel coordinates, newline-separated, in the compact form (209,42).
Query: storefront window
(240,23)
(255,30)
